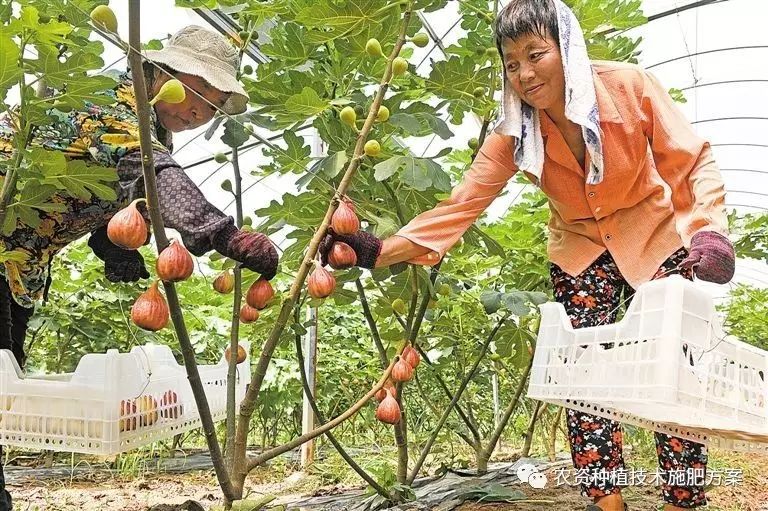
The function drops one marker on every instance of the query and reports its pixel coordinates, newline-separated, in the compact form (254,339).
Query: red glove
(711,256)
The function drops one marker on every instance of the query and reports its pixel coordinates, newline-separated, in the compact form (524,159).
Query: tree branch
(486,454)
(336,444)
(277,451)
(150,186)
(529,432)
(428,446)
(436,412)
(372,324)
(235,329)
(249,402)
(444,386)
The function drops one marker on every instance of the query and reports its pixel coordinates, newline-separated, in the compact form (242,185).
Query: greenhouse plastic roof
(716,51)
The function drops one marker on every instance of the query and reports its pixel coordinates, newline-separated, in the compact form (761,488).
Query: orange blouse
(661,184)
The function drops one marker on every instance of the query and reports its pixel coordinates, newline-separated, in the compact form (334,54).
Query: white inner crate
(668,367)
(113,402)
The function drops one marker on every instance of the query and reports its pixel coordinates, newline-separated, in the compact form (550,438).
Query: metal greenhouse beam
(227,26)
(735,118)
(723,82)
(664,14)
(689,55)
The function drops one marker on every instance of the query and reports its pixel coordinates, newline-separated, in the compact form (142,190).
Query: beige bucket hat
(197,51)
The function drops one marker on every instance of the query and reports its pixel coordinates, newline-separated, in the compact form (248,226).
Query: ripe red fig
(174,264)
(344,220)
(402,371)
(382,393)
(321,283)
(388,410)
(259,294)
(150,310)
(411,356)
(248,314)
(127,228)
(224,283)
(170,408)
(240,354)
(128,420)
(342,256)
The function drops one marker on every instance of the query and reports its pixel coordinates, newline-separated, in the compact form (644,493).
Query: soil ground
(100,491)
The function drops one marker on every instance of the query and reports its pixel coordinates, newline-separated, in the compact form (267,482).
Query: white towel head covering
(521,121)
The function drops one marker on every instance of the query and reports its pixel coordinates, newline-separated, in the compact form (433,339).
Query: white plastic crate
(112,403)
(666,366)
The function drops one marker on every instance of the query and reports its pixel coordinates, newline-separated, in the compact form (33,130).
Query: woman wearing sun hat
(109,136)
(634,195)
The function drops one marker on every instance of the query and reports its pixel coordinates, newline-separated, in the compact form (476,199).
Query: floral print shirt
(108,136)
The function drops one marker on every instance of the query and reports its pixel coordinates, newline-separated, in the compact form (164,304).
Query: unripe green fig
(383,114)
(421,39)
(244,35)
(247,69)
(171,92)
(479,92)
(372,148)
(373,48)
(220,158)
(491,52)
(398,305)
(247,220)
(226,185)
(399,66)
(359,110)
(473,143)
(104,18)
(348,116)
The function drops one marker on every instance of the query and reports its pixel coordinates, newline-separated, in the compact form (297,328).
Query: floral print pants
(594,297)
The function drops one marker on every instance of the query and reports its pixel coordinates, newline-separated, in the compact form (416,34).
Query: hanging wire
(429,52)
(688,50)
(750,192)
(737,205)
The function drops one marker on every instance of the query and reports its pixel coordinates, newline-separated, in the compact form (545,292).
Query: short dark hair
(526,17)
